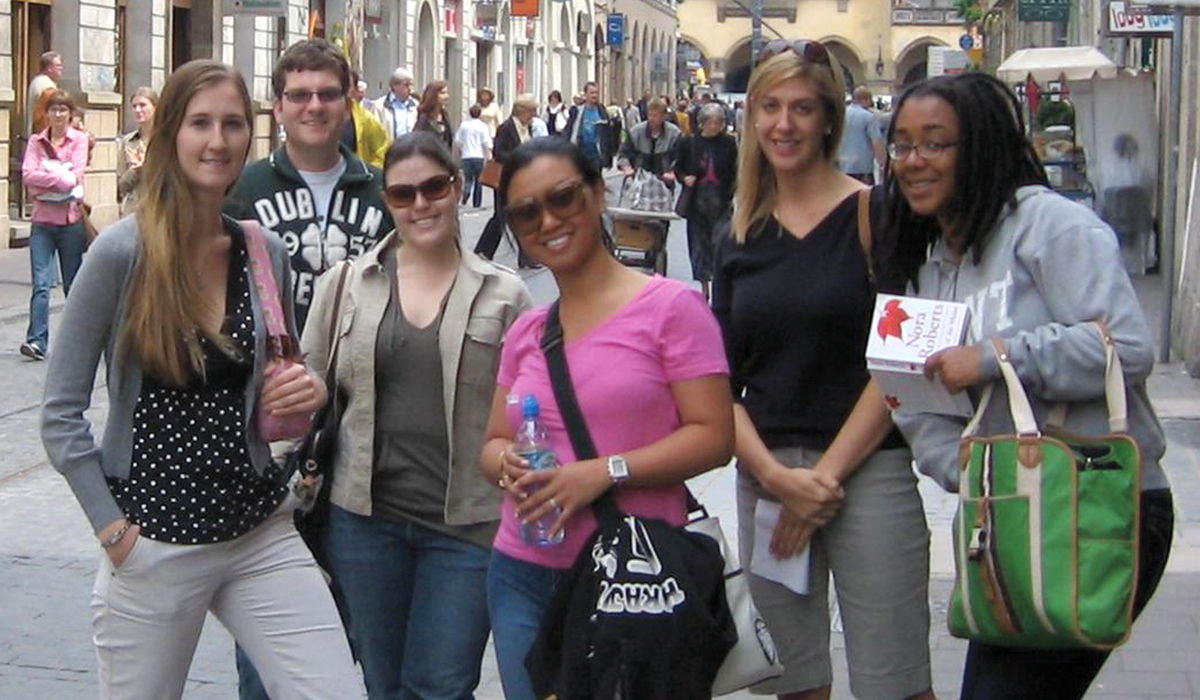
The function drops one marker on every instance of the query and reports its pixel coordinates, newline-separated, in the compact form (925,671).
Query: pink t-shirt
(622,371)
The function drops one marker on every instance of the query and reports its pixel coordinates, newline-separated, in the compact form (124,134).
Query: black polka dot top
(191,480)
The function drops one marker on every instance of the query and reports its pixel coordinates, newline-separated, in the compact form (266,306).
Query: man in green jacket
(319,197)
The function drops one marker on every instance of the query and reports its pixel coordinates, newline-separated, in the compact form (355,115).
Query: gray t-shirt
(412,447)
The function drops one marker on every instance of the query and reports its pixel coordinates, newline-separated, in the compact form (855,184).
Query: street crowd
(234,300)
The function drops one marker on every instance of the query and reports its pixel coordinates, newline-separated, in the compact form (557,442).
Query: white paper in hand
(791,572)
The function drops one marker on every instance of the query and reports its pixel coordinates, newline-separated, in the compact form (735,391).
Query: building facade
(880,44)
(112,47)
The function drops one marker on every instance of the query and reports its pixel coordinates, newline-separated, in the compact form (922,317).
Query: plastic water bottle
(531,445)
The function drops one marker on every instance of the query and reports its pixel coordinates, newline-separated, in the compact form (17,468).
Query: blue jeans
(472,187)
(414,603)
(44,241)
(517,593)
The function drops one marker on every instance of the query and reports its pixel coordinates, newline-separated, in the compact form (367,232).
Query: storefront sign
(1124,20)
(524,8)
(1044,10)
(274,8)
(616,29)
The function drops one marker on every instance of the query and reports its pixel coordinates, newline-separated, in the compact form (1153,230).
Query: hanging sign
(1124,20)
(274,8)
(524,8)
(616,29)
(1044,10)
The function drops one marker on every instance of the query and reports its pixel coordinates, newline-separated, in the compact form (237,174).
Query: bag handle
(864,230)
(1022,412)
(268,288)
(552,345)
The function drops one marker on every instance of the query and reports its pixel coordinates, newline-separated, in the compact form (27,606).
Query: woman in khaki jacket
(412,517)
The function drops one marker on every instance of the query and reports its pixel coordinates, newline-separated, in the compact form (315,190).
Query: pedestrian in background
(397,110)
(651,145)
(412,517)
(862,142)
(682,117)
(363,134)
(976,222)
(474,145)
(556,113)
(590,128)
(661,418)
(707,165)
(815,441)
(491,114)
(52,169)
(431,114)
(133,148)
(512,133)
(193,515)
(50,70)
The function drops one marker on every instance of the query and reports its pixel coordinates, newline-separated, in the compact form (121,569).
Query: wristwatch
(618,470)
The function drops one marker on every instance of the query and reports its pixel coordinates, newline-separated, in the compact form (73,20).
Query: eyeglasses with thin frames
(927,149)
(563,202)
(326,96)
(433,189)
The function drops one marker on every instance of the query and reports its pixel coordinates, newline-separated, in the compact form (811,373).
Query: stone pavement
(48,557)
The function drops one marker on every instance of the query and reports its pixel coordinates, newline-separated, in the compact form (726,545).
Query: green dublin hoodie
(273,192)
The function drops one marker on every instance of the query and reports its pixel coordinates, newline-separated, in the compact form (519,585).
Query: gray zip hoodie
(1050,267)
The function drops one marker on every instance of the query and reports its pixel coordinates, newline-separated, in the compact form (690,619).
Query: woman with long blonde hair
(192,514)
(819,462)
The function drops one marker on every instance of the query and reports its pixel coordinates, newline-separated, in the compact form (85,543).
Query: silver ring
(554,503)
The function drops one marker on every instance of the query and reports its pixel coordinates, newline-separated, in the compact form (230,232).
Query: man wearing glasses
(321,199)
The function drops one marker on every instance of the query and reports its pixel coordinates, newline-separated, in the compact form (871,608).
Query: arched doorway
(426,48)
(737,68)
(911,64)
(582,42)
(566,64)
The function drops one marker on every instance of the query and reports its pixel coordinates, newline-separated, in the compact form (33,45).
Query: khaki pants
(264,587)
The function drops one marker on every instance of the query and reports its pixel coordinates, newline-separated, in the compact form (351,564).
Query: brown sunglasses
(433,189)
(811,51)
(563,202)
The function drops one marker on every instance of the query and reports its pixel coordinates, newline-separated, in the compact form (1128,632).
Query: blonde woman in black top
(794,298)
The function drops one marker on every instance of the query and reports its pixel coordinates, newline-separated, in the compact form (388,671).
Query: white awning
(1069,62)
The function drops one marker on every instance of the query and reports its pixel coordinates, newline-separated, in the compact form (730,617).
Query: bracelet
(116,537)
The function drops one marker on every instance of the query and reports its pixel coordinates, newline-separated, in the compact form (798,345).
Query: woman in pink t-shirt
(648,367)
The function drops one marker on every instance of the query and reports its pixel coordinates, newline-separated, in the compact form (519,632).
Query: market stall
(1092,123)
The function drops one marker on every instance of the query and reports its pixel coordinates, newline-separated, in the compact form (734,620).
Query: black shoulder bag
(642,613)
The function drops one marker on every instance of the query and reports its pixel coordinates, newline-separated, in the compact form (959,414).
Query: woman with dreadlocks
(975,222)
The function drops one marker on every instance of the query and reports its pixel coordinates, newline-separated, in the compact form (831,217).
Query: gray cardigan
(91,326)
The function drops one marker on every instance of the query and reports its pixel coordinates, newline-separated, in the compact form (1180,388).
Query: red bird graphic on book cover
(892,320)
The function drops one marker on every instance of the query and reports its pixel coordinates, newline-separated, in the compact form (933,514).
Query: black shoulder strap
(568,404)
(864,230)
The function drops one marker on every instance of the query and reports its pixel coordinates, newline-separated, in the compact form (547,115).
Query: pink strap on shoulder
(264,279)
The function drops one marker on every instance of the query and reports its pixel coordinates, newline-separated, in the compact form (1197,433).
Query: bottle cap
(529,406)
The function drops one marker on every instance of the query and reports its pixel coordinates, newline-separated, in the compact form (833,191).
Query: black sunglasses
(326,96)
(563,202)
(811,51)
(433,189)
